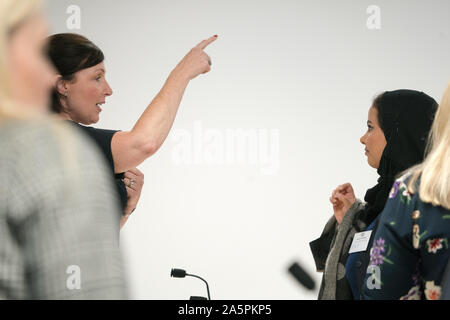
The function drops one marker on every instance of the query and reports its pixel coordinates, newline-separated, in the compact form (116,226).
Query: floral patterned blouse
(410,250)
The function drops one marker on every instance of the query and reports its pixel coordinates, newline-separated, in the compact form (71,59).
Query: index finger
(202,45)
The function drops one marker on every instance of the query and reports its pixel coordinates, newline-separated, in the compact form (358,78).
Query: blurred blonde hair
(12,14)
(434,171)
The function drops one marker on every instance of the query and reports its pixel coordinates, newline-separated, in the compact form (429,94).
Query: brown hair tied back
(70,53)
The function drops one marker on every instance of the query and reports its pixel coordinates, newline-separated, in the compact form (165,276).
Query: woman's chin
(373,165)
(95,119)
(370,163)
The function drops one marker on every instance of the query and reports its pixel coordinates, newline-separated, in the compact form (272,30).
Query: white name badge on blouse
(360,241)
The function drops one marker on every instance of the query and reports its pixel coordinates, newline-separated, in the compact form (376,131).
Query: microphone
(180,273)
(302,276)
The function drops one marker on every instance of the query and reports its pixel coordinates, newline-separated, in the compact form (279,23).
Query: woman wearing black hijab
(398,126)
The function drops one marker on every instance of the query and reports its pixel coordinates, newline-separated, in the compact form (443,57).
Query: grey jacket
(330,253)
(59,216)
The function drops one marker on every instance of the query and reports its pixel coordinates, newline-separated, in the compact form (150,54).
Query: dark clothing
(410,250)
(446,283)
(103,139)
(357,263)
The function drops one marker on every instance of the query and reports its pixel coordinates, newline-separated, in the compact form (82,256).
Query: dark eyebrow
(369,122)
(101,69)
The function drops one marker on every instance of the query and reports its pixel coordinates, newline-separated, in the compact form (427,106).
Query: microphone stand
(207,286)
(180,273)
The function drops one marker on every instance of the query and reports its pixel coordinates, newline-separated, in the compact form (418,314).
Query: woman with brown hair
(81,89)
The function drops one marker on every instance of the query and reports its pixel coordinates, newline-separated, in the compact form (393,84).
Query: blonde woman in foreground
(411,247)
(58,238)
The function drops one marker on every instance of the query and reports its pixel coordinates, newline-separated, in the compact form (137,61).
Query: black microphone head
(178,273)
(302,276)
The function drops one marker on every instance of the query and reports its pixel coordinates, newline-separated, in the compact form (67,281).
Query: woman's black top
(103,139)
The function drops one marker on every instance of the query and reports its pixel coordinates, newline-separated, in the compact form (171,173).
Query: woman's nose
(108,90)
(363,139)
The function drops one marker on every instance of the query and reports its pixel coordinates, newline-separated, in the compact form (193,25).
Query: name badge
(360,241)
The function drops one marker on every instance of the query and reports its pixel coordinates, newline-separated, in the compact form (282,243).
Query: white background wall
(306,69)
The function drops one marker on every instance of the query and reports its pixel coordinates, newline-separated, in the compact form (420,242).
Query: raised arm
(130,148)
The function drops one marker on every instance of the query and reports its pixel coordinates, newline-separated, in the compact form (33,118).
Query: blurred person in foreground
(58,238)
